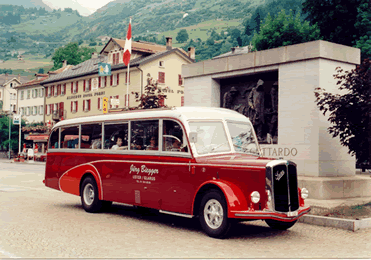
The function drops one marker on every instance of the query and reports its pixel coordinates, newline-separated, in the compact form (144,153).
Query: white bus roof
(182,113)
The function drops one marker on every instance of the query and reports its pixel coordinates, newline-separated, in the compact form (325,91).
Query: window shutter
(89,84)
(117,58)
(105,81)
(161,77)
(182,101)
(65,88)
(71,106)
(89,101)
(98,103)
(61,108)
(83,105)
(180,80)
(111,79)
(99,82)
(161,102)
(84,87)
(118,78)
(46,109)
(110,104)
(71,87)
(77,86)
(113,58)
(77,105)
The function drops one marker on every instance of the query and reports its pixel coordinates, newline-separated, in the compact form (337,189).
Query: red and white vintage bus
(186,161)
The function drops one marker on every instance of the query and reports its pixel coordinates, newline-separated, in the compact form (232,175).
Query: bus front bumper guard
(267,214)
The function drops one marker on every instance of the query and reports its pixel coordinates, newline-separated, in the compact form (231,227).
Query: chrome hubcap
(88,194)
(213,214)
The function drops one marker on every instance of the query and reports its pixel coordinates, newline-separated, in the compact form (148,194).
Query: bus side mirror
(193,137)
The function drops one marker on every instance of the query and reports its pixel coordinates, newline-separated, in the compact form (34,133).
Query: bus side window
(173,137)
(144,135)
(116,136)
(91,136)
(70,137)
(54,139)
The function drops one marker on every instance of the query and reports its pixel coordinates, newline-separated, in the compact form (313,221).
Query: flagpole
(127,86)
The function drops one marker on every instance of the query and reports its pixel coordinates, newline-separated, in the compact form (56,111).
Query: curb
(25,162)
(347,224)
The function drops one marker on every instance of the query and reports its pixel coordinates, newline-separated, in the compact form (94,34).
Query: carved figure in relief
(256,107)
(229,97)
(272,124)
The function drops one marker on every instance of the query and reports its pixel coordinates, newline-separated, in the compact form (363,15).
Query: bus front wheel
(89,196)
(213,215)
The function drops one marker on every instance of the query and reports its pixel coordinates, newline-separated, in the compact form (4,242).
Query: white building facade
(31,99)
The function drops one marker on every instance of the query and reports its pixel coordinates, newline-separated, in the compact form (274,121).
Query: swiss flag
(127,48)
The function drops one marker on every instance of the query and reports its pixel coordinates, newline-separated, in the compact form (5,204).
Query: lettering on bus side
(147,172)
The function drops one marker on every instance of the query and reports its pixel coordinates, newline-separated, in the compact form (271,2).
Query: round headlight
(255,196)
(304,193)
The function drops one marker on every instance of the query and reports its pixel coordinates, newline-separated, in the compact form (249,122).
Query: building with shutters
(31,99)
(8,91)
(70,94)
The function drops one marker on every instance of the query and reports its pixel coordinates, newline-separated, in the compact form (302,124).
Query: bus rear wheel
(213,215)
(279,224)
(90,196)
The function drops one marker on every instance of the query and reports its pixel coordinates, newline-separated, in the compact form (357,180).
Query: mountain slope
(26,3)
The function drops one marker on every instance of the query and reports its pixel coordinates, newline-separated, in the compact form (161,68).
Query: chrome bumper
(265,214)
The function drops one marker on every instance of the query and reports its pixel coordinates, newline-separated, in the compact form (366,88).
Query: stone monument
(275,89)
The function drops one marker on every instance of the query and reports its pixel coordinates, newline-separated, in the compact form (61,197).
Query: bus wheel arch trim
(94,175)
(232,194)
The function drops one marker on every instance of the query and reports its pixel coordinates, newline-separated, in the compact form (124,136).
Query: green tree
(41,71)
(182,36)
(226,47)
(253,25)
(72,53)
(4,133)
(284,30)
(350,112)
(346,22)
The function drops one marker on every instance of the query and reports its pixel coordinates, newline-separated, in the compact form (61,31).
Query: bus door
(114,165)
(178,184)
(144,171)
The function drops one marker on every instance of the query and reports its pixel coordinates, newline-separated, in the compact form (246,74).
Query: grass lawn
(201,30)
(29,66)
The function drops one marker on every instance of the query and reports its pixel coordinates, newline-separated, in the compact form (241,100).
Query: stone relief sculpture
(272,123)
(256,105)
(259,104)
(229,98)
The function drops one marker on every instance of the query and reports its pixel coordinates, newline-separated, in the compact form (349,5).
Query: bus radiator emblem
(279,175)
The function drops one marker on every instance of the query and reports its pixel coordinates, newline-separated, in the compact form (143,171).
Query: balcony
(58,115)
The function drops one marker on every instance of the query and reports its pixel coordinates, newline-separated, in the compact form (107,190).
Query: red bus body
(176,182)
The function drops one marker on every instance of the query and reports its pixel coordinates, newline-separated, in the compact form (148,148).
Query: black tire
(279,224)
(106,205)
(90,196)
(213,214)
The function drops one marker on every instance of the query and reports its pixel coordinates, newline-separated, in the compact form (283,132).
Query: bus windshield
(243,138)
(211,137)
